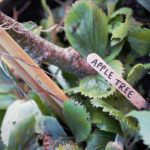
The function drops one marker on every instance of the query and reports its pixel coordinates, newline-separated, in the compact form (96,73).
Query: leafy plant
(88,21)
(118,27)
(96,86)
(95,114)
(137,72)
(143,120)
(105,122)
(140,40)
(24,130)
(77,119)
(52,127)
(98,140)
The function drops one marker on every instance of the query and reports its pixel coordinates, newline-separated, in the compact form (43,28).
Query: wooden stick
(67,59)
(35,77)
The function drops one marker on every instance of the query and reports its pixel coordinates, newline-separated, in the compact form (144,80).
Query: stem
(41,50)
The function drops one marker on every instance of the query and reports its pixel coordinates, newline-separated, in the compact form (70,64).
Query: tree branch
(41,50)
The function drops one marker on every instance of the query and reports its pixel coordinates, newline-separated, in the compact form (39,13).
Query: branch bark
(41,50)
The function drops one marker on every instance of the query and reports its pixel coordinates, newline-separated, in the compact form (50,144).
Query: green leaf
(114,146)
(111,4)
(118,34)
(122,11)
(99,2)
(23,135)
(74,90)
(18,111)
(51,126)
(137,72)
(119,102)
(86,28)
(6,100)
(117,66)
(77,119)
(70,78)
(105,122)
(120,116)
(98,140)
(145,4)
(139,39)
(114,51)
(143,118)
(41,104)
(96,86)
(119,29)
(114,23)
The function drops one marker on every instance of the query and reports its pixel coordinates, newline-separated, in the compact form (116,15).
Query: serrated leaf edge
(110,110)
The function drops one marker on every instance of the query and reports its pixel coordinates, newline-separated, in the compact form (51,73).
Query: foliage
(95,113)
(52,127)
(23,135)
(96,86)
(77,119)
(98,140)
(119,28)
(41,104)
(114,51)
(114,146)
(137,72)
(105,122)
(17,112)
(120,116)
(139,39)
(143,118)
(111,4)
(88,21)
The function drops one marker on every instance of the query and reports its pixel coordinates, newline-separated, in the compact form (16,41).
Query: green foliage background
(96,114)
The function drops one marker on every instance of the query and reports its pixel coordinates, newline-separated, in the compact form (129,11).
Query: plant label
(116,80)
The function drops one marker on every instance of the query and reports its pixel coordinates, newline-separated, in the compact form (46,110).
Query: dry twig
(41,50)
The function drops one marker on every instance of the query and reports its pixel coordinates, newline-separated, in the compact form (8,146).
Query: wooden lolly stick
(35,77)
(117,81)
